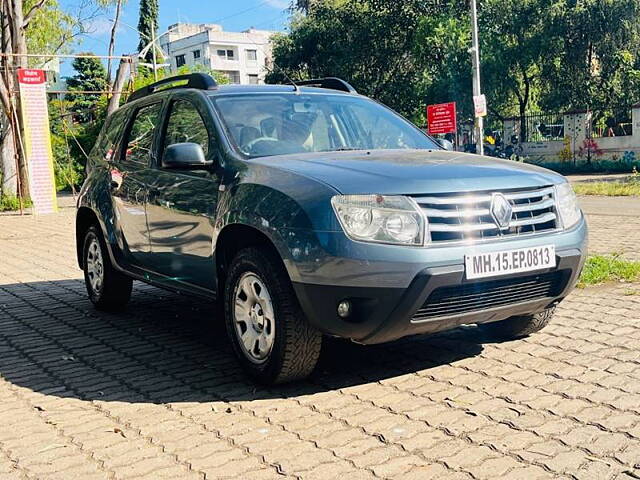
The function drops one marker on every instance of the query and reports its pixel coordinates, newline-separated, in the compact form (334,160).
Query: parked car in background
(310,210)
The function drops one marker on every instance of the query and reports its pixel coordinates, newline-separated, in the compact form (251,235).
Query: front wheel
(518,327)
(269,332)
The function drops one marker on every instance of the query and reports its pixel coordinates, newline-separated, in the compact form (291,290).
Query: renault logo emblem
(501,211)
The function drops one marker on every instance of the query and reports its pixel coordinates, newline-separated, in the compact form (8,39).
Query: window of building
(253,79)
(252,55)
(180,61)
(226,54)
(186,125)
(196,54)
(233,76)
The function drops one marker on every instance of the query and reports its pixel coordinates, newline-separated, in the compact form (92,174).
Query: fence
(543,127)
(610,134)
(612,122)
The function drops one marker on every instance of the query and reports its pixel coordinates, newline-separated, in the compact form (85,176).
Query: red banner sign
(31,76)
(441,118)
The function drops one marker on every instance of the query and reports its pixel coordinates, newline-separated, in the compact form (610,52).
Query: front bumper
(383,312)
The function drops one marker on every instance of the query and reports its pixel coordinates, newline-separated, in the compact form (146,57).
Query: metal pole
(153,54)
(475,52)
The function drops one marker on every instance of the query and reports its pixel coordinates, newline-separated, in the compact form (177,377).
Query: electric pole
(475,52)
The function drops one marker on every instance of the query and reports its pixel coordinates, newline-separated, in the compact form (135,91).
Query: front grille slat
(544,218)
(478,296)
(445,310)
(464,217)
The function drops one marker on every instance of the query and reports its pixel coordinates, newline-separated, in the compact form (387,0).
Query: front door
(130,175)
(182,203)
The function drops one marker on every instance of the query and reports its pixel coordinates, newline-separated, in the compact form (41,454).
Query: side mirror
(186,156)
(446,144)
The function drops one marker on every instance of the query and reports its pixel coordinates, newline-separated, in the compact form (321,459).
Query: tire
(270,334)
(518,327)
(108,289)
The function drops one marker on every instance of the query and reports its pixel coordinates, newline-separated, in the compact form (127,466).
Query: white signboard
(480,105)
(37,140)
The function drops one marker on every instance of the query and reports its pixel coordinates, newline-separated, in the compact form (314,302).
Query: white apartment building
(242,56)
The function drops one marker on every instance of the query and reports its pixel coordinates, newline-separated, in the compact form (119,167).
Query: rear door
(182,203)
(130,177)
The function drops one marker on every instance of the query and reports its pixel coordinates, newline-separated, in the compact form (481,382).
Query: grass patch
(609,189)
(9,203)
(608,268)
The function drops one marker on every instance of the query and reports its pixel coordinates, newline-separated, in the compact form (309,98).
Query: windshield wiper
(343,149)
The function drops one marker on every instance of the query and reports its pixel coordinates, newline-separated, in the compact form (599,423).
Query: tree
(90,76)
(596,60)
(148,26)
(38,26)
(368,42)
(114,28)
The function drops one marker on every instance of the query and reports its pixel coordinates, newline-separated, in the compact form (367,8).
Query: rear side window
(185,124)
(139,141)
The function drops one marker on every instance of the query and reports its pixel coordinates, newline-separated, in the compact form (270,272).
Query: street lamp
(475,55)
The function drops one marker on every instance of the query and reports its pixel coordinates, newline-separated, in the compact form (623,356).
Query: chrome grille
(463,217)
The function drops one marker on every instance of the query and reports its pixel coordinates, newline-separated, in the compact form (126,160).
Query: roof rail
(332,83)
(201,81)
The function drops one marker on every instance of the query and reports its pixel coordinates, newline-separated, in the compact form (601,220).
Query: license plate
(492,264)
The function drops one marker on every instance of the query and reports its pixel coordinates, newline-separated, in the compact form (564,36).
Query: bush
(10,203)
(625,165)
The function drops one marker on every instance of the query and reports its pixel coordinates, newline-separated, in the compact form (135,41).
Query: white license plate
(492,264)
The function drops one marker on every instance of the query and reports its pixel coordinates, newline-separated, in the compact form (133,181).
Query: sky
(233,15)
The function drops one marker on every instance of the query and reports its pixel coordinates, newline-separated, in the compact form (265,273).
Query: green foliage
(608,268)
(148,26)
(626,187)
(10,203)
(50,30)
(90,76)
(536,54)
(599,166)
(371,43)
(145,77)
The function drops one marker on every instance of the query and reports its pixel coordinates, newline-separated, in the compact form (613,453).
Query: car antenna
(296,88)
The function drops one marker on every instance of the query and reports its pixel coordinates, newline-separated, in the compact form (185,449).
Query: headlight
(381,219)
(567,205)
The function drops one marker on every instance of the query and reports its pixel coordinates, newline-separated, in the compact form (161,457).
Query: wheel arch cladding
(235,237)
(85,218)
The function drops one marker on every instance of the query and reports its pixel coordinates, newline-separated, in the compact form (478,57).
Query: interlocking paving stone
(154,392)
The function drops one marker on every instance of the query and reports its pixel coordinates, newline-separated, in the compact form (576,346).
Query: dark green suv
(308,210)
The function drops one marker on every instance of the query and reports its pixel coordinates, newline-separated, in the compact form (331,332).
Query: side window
(140,138)
(186,125)
(106,143)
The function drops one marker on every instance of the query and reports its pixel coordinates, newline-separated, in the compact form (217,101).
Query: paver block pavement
(154,392)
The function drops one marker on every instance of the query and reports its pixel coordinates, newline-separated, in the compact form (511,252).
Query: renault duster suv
(308,210)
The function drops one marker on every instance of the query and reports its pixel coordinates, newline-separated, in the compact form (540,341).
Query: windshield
(278,124)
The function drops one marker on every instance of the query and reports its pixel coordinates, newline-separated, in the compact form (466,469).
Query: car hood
(411,171)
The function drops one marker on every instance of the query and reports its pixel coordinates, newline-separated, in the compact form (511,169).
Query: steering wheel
(249,146)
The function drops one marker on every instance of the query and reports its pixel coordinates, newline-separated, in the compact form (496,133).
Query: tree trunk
(112,41)
(118,85)
(8,167)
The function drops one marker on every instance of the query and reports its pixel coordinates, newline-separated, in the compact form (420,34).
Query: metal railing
(543,127)
(611,122)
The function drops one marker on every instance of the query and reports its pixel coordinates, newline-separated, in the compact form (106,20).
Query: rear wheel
(108,289)
(518,327)
(270,335)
